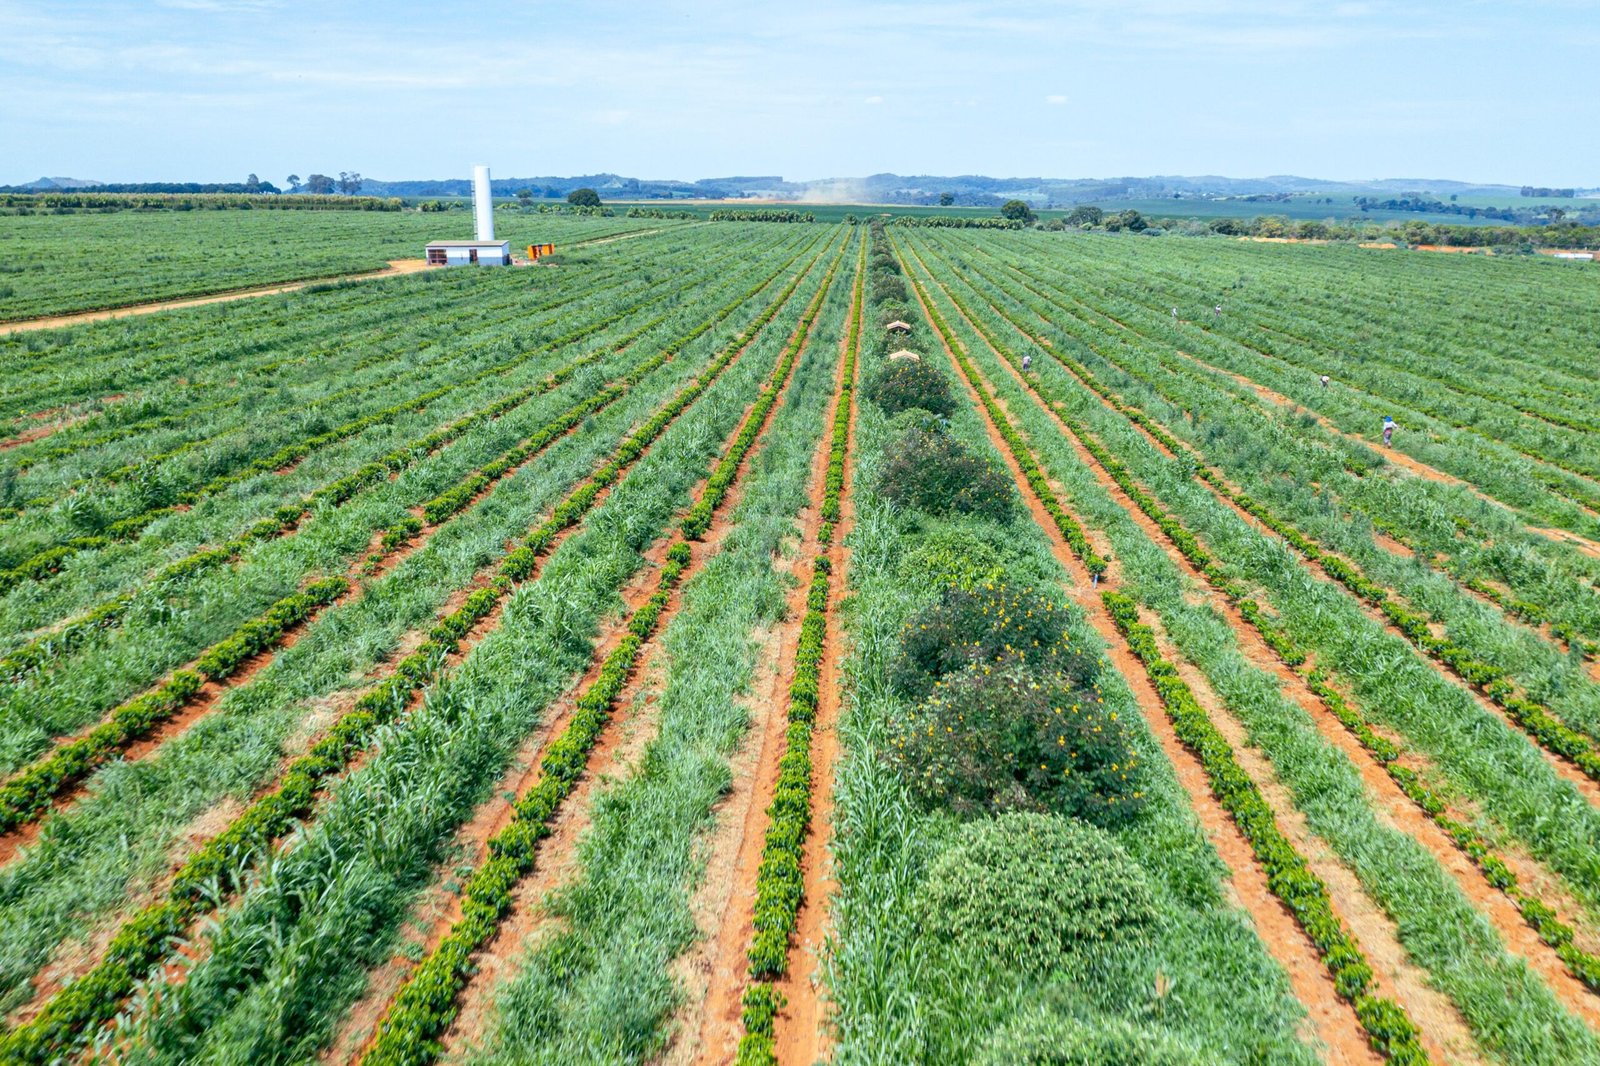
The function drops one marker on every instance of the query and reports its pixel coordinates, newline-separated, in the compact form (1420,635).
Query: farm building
(484,250)
(463,253)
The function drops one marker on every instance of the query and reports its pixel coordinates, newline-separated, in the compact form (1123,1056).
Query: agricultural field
(659,657)
(57,264)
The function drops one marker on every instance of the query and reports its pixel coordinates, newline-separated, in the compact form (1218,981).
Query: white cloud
(1055,99)
(874,100)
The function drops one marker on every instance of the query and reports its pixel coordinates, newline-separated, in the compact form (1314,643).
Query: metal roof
(469,244)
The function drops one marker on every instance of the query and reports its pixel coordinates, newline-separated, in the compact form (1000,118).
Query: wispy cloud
(857,86)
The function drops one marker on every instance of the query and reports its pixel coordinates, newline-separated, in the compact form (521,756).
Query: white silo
(483,203)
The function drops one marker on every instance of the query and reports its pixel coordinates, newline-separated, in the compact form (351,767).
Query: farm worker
(1324,381)
(1027,363)
(1388,430)
(1174,313)
(1217,310)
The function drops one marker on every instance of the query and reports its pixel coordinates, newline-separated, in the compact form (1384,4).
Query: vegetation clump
(932,472)
(1035,893)
(903,384)
(989,625)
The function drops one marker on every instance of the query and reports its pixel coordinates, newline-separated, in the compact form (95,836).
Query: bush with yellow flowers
(901,384)
(931,471)
(991,624)
(1005,736)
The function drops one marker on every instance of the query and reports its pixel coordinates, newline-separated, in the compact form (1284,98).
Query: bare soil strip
(1333,1020)
(737,847)
(396,266)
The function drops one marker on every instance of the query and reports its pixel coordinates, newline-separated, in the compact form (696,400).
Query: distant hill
(965,189)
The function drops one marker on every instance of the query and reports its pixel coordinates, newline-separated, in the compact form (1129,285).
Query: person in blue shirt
(1388,430)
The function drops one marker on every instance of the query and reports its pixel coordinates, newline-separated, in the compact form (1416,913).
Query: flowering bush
(932,472)
(901,384)
(1006,737)
(988,624)
(1035,892)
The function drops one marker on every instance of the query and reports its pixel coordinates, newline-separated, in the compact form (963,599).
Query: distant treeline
(1451,235)
(657,212)
(762,216)
(1525,216)
(62,202)
(1539,190)
(956,222)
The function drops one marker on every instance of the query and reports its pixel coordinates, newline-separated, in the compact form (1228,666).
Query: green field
(628,660)
(53,264)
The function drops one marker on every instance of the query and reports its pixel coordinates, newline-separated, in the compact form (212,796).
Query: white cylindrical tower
(482,203)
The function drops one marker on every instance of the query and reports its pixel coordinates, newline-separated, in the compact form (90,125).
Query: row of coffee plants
(780,880)
(224,861)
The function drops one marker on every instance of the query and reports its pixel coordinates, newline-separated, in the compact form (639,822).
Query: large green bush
(931,471)
(1009,737)
(901,384)
(1041,1037)
(955,557)
(1035,893)
(986,624)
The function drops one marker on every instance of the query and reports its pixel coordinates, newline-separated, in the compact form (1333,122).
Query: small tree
(946,199)
(1085,215)
(583,198)
(294,182)
(524,196)
(349,182)
(320,184)
(1016,211)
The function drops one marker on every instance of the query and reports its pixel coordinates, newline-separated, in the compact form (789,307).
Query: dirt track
(396,266)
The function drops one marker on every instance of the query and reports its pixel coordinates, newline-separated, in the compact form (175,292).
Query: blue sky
(214,89)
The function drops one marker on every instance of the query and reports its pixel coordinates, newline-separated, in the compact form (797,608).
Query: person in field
(1027,363)
(1174,314)
(1388,430)
(1324,381)
(1217,311)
